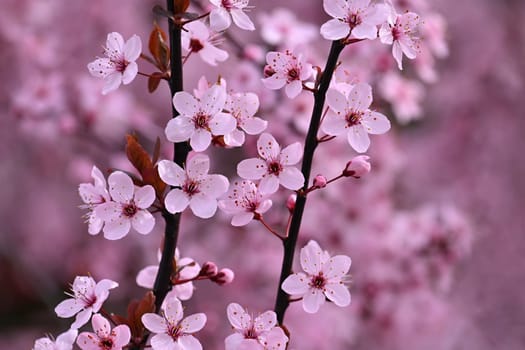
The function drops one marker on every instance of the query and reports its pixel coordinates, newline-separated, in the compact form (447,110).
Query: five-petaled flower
(128,207)
(242,107)
(259,333)
(353,117)
(245,201)
(173,332)
(194,186)
(104,337)
(274,165)
(87,298)
(356,17)
(64,341)
(196,38)
(324,278)
(226,10)
(187,269)
(119,66)
(199,119)
(93,195)
(401,32)
(284,68)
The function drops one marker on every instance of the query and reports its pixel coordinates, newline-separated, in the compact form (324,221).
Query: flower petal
(203,206)
(254,126)
(176,201)
(116,229)
(171,173)
(68,308)
(179,129)
(242,20)
(130,73)
(338,293)
(219,19)
(213,100)
(193,323)
(121,187)
(132,48)
(112,82)
(269,184)
(115,42)
(87,341)
(291,154)
(252,169)
(238,316)
(101,67)
(164,341)
(313,300)
(198,167)
(334,29)
(291,178)
(375,123)
(154,323)
(144,196)
(82,318)
(101,326)
(214,185)
(200,140)
(311,258)
(146,276)
(358,138)
(337,266)
(334,124)
(222,124)
(173,311)
(242,219)
(267,146)
(336,100)
(143,222)
(265,321)
(293,89)
(121,336)
(189,342)
(185,103)
(296,284)
(360,97)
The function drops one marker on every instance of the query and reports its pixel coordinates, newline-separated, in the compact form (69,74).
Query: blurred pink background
(436,231)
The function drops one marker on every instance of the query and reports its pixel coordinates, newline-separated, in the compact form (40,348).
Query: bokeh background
(436,231)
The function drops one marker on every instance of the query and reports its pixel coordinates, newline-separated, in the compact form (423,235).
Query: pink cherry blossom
(93,195)
(405,96)
(128,207)
(226,10)
(353,117)
(358,167)
(198,39)
(401,32)
(243,107)
(286,69)
(356,17)
(104,337)
(224,276)
(260,332)
(282,28)
(194,186)
(187,269)
(245,201)
(199,119)
(119,66)
(64,341)
(171,331)
(87,298)
(274,167)
(324,278)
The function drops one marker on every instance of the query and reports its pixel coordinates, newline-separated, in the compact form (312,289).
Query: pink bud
(209,269)
(290,202)
(320,181)
(358,167)
(225,276)
(268,71)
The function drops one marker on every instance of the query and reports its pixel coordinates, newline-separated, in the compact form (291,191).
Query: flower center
(174,332)
(353,118)
(396,33)
(106,343)
(191,187)
(318,281)
(196,45)
(201,121)
(353,20)
(227,4)
(275,168)
(250,333)
(129,210)
(293,74)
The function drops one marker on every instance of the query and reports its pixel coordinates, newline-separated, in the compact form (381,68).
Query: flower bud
(268,71)
(225,276)
(320,181)
(209,269)
(290,202)
(358,167)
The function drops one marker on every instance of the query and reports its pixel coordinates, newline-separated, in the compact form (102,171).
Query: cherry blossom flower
(128,207)
(195,187)
(286,69)
(324,278)
(274,167)
(87,298)
(243,107)
(104,337)
(401,32)
(173,332)
(353,117)
(197,38)
(119,66)
(64,341)
(259,333)
(356,17)
(405,95)
(187,269)
(357,167)
(226,10)
(244,201)
(93,195)
(199,119)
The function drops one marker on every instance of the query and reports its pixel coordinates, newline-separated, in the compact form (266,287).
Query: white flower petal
(198,167)
(336,8)
(291,154)
(337,266)
(82,318)
(189,342)
(358,138)
(200,140)
(311,258)
(213,100)
(146,276)
(179,129)
(211,55)
(222,124)
(334,124)
(130,73)
(360,97)
(336,100)
(265,321)
(291,178)
(365,31)
(101,67)
(242,20)
(338,293)
(293,89)
(68,308)
(176,201)
(274,82)
(313,300)
(242,219)
(214,185)
(132,48)
(101,326)
(121,187)
(334,29)
(193,323)
(267,146)
(219,19)
(171,173)
(115,42)
(144,196)
(238,316)
(112,82)
(203,206)
(375,123)
(143,222)
(116,229)
(163,341)
(235,138)
(252,169)
(254,126)
(269,184)
(185,103)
